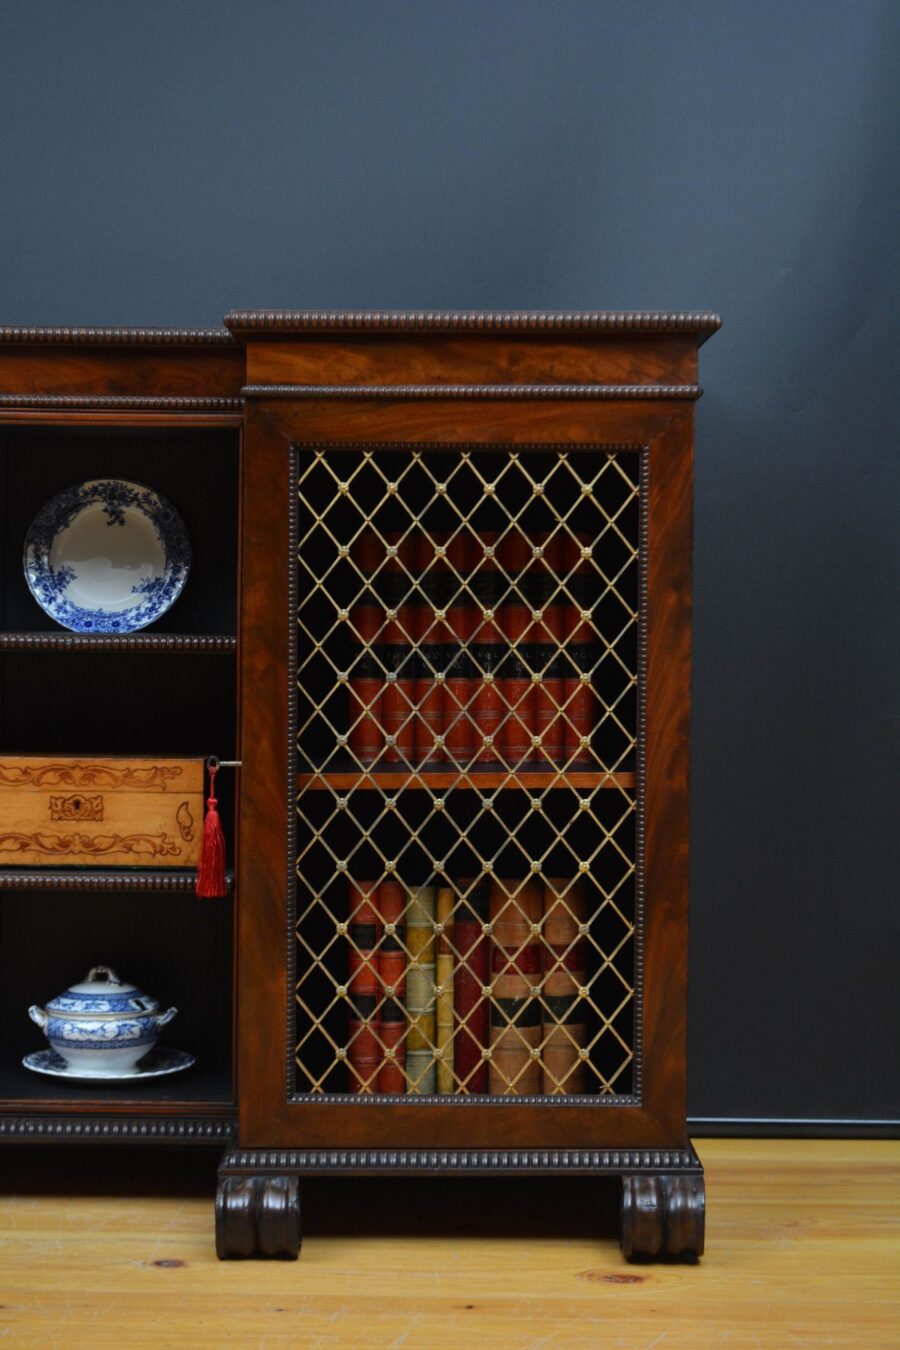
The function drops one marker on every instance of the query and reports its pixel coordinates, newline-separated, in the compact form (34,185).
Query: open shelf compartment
(120,697)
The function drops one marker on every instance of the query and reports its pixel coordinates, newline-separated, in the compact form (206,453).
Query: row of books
(495,672)
(475,991)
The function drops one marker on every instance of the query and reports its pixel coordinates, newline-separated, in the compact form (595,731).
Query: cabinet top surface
(247,322)
(242,324)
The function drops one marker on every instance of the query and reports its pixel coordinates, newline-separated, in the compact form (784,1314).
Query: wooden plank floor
(107,1248)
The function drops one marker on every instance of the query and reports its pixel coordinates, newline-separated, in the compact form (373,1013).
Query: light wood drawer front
(86,812)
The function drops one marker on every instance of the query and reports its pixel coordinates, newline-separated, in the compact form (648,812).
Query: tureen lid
(101,991)
(102,980)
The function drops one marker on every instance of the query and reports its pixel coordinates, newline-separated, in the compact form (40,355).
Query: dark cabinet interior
(170,689)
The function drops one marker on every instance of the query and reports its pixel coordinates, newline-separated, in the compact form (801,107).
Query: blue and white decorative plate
(107,556)
(159,1063)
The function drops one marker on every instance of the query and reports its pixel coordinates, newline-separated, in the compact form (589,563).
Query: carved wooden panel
(88,812)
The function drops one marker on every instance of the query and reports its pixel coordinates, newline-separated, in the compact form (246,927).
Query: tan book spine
(444,989)
(420,1072)
(516,909)
(420,996)
(564,975)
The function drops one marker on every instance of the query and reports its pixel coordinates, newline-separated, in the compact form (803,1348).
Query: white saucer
(159,1063)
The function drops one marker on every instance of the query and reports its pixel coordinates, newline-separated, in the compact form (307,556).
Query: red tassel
(211,872)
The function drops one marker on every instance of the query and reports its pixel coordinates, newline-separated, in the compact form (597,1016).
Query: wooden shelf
(224,644)
(109,879)
(453,778)
(203,1085)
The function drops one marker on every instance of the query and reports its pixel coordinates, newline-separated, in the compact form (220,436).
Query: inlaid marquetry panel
(93,812)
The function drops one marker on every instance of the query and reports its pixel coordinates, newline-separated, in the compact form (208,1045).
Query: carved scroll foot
(258,1217)
(663,1216)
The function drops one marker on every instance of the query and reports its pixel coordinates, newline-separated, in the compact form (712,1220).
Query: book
(516,686)
(565,973)
(365,679)
(548,659)
(459,673)
(420,996)
(392,1031)
(431,643)
(581,701)
(516,909)
(470,978)
(487,653)
(391,970)
(398,657)
(363,1045)
(444,964)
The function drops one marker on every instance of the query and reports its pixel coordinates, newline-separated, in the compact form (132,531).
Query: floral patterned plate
(159,1063)
(107,556)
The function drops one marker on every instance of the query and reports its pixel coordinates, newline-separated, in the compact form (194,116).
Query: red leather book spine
(581,701)
(431,642)
(363,1048)
(459,688)
(391,970)
(516,687)
(487,653)
(397,713)
(547,651)
(515,1066)
(392,1027)
(366,738)
(471,1008)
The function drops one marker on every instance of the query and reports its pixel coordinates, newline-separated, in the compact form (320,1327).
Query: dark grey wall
(162,163)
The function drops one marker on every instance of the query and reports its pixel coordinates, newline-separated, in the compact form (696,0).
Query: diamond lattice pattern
(467,627)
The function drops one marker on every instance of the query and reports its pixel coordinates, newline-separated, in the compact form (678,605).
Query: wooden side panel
(668,688)
(266,790)
(66,812)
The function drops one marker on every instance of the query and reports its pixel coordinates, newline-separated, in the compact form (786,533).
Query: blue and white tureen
(102,1026)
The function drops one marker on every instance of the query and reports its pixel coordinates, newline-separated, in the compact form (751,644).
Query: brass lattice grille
(468,625)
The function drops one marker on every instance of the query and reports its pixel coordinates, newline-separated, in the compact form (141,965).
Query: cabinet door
(465,676)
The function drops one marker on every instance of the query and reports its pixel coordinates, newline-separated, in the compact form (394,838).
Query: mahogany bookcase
(282,438)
